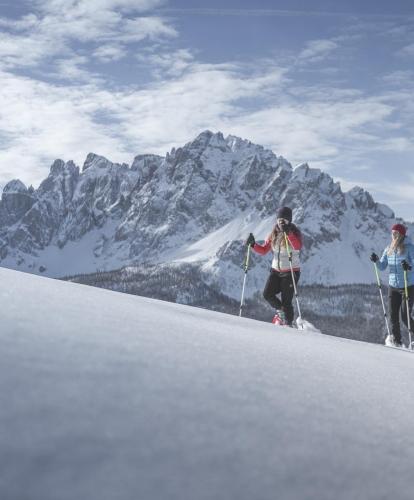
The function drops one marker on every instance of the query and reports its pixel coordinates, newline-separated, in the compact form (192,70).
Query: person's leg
(272,288)
(287,295)
(394,302)
(410,308)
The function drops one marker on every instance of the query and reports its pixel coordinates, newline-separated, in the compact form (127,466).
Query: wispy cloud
(69,28)
(110,52)
(400,78)
(252,12)
(397,194)
(318,131)
(408,50)
(202,11)
(50,121)
(47,121)
(167,63)
(74,69)
(317,50)
(89,7)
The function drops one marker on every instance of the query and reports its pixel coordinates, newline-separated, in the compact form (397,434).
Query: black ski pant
(281,283)
(397,303)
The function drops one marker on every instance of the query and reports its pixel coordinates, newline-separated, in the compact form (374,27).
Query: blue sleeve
(383,262)
(410,254)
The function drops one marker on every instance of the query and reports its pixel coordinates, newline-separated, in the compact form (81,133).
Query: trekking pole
(246,268)
(407,306)
(382,299)
(293,278)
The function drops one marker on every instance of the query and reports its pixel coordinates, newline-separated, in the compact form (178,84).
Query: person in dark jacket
(398,256)
(280,278)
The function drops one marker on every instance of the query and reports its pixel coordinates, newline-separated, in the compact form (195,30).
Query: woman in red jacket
(280,279)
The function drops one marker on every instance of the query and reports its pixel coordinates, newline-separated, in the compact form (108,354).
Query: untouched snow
(205,248)
(108,396)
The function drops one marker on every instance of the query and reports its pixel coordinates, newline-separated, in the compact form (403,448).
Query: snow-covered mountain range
(197,204)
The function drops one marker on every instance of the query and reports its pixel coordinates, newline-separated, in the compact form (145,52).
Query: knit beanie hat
(400,228)
(285,213)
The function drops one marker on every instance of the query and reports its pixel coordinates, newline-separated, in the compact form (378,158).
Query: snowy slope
(107,396)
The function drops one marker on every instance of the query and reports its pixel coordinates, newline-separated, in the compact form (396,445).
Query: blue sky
(330,83)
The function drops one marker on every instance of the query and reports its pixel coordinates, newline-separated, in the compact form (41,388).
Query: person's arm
(295,240)
(411,255)
(383,262)
(263,249)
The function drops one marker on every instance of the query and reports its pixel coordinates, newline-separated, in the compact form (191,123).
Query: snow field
(109,396)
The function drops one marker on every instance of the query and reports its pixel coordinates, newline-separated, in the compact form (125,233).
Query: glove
(250,240)
(406,266)
(284,226)
(374,257)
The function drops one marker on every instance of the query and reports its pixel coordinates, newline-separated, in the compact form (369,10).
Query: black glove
(374,257)
(250,240)
(284,226)
(406,266)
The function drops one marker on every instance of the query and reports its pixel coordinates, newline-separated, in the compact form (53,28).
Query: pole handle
(246,268)
(292,275)
(247,259)
(377,274)
(382,299)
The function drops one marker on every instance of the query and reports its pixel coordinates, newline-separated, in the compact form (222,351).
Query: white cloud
(309,13)
(398,195)
(46,121)
(400,192)
(400,32)
(317,50)
(68,28)
(139,28)
(90,7)
(19,50)
(110,52)
(41,121)
(400,78)
(408,50)
(317,130)
(24,23)
(397,145)
(167,63)
(74,69)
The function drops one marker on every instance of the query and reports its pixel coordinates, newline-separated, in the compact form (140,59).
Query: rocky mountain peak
(14,186)
(195,205)
(96,161)
(16,201)
(361,198)
(237,144)
(205,141)
(57,167)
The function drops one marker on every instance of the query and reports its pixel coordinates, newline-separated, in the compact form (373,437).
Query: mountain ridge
(196,204)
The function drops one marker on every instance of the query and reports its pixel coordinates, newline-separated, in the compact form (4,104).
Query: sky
(330,83)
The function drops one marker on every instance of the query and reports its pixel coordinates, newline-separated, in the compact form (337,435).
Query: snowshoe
(391,342)
(279,319)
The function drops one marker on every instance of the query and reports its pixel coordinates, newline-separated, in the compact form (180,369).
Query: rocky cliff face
(195,205)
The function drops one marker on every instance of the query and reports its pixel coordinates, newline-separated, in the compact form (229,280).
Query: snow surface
(109,396)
